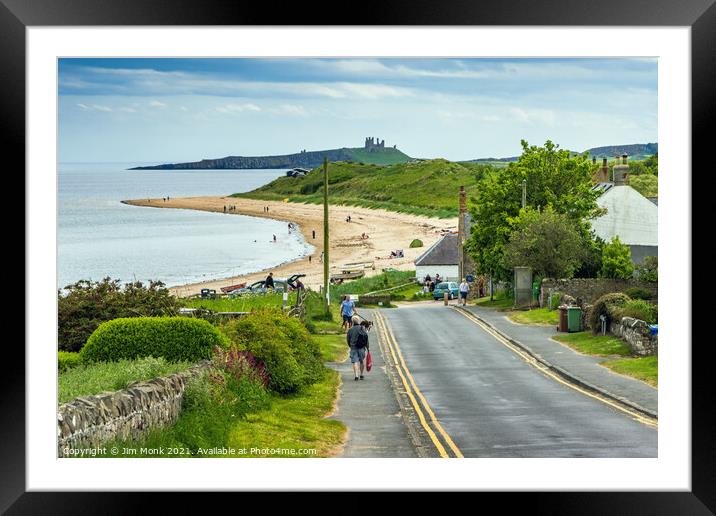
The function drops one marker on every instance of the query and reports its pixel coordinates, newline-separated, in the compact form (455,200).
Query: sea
(98,236)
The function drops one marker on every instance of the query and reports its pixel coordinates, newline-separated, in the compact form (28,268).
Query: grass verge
(294,426)
(599,345)
(645,369)
(504,303)
(538,316)
(333,346)
(85,380)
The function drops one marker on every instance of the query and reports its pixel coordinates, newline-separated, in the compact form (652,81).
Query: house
(440,258)
(630,216)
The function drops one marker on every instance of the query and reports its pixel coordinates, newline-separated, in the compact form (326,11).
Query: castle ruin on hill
(373,144)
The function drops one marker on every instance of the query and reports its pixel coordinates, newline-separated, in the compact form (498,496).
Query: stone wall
(89,421)
(588,290)
(637,335)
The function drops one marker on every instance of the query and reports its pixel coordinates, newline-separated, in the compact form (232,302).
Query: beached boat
(346,275)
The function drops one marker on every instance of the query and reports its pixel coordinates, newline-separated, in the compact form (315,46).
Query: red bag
(368,361)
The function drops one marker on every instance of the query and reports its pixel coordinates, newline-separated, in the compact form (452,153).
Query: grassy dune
(422,187)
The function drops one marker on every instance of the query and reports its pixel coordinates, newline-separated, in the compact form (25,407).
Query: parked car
(446,286)
(259,287)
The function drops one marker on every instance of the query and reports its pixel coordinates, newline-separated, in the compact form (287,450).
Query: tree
(546,241)
(649,269)
(84,305)
(554,178)
(646,184)
(616,260)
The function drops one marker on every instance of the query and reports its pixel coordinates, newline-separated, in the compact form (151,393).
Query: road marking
(403,371)
(542,368)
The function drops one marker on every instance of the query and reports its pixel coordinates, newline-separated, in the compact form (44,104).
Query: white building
(440,258)
(630,216)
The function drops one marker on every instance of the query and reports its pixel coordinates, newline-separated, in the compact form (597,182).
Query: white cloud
(83,106)
(99,107)
(290,109)
(156,103)
(534,116)
(238,108)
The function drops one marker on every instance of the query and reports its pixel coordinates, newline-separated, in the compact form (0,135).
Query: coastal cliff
(305,159)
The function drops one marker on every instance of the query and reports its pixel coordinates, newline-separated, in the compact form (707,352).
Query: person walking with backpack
(357,339)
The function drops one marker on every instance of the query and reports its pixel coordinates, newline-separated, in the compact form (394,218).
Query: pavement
(493,402)
(576,367)
(372,411)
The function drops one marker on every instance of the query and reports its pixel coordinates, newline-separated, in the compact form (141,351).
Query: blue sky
(170,110)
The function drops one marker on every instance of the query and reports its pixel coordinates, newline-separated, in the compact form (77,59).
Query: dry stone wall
(637,335)
(89,421)
(588,290)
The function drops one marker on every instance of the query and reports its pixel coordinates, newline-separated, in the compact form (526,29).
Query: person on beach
(274,238)
(269,281)
(357,340)
(321,257)
(464,288)
(313,233)
(348,310)
(309,258)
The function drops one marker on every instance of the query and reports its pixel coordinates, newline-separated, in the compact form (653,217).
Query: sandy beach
(386,231)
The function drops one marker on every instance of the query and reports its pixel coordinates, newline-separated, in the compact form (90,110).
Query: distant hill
(636,151)
(425,187)
(305,159)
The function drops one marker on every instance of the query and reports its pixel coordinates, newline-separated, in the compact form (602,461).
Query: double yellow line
(542,368)
(430,423)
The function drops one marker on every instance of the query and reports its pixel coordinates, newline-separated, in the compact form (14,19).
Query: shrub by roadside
(83,306)
(283,344)
(174,338)
(607,305)
(640,309)
(67,360)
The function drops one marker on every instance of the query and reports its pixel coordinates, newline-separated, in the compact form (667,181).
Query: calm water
(99,236)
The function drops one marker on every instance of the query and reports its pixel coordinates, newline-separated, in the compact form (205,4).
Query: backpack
(362,341)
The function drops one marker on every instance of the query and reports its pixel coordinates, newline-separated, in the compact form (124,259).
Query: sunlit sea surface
(98,236)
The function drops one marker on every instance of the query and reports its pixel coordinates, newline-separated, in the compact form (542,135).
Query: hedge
(67,360)
(173,338)
(607,305)
(291,356)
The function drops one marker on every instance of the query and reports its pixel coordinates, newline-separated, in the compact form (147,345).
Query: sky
(172,110)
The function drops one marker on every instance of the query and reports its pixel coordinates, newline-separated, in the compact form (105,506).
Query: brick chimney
(603,174)
(621,171)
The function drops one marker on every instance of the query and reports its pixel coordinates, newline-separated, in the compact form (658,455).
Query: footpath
(576,367)
(370,410)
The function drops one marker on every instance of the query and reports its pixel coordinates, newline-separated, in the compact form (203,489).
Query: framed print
(430,234)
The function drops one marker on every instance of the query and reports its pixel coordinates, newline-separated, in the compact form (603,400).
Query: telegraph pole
(524,194)
(325,234)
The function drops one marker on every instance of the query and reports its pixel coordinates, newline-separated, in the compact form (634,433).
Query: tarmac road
(492,403)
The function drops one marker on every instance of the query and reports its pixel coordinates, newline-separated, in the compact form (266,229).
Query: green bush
(416,243)
(174,338)
(67,360)
(83,306)
(639,293)
(291,356)
(640,309)
(649,270)
(616,260)
(608,305)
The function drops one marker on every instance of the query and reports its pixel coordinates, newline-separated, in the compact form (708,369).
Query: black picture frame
(700,15)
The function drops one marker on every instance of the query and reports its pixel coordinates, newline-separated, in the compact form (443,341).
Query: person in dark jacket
(269,281)
(357,339)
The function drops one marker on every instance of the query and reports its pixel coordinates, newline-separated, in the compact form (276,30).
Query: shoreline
(386,230)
